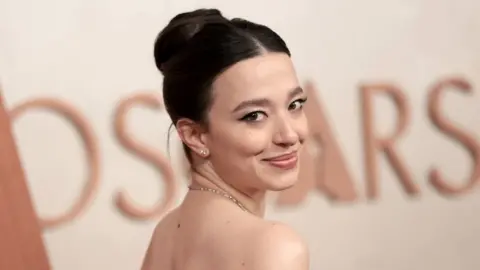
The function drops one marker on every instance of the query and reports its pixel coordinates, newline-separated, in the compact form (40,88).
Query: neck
(252,200)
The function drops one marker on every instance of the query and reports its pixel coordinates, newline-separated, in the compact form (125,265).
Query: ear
(193,135)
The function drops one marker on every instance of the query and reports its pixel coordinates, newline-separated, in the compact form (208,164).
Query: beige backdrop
(91,54)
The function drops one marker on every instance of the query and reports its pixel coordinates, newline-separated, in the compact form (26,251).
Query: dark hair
(196,47)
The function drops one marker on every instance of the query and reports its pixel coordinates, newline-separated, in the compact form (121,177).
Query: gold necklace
(224,194)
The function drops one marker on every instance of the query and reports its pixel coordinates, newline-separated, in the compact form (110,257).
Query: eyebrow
(264,102)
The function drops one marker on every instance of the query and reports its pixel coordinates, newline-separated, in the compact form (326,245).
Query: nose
(285,134)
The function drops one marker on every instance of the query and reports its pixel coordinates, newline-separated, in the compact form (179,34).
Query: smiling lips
(286,161)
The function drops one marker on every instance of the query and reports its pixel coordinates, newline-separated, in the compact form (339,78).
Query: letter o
(90,143)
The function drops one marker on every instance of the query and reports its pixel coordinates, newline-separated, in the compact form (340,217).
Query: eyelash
(301,101)
(248,117)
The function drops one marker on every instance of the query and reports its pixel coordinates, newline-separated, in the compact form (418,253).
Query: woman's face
(257,124)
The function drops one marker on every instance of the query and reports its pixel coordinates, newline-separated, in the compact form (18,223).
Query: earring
(203,152)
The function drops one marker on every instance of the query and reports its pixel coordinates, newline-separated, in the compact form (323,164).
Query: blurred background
(87,57)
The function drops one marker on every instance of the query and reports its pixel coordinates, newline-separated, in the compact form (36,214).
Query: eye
(254,116)
(297,104)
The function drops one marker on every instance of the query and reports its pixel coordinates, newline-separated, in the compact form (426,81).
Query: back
(216,236)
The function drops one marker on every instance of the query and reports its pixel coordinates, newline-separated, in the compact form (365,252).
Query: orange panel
(21,243)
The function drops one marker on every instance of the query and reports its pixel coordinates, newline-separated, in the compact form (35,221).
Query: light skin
(256,118)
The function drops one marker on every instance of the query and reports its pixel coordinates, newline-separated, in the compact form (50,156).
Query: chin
(282,182)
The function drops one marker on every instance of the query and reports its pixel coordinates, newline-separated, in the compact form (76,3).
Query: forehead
(266,76)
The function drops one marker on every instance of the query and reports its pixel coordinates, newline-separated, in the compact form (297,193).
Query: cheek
(240,141)
(253,141)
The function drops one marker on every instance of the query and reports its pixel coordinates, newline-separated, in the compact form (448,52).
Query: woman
(232,93)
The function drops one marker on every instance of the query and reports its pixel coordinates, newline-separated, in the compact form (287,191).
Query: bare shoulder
(158,250)
(277,246)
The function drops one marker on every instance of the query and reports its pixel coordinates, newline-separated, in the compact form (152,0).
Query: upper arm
(153,258)
(280,248)
(147,259)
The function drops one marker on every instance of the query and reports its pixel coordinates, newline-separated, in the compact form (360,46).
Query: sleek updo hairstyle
(196,47)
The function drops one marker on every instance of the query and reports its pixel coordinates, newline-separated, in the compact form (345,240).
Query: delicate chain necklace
(224,194)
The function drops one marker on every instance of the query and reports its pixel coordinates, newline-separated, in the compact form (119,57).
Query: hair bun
(181,28)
